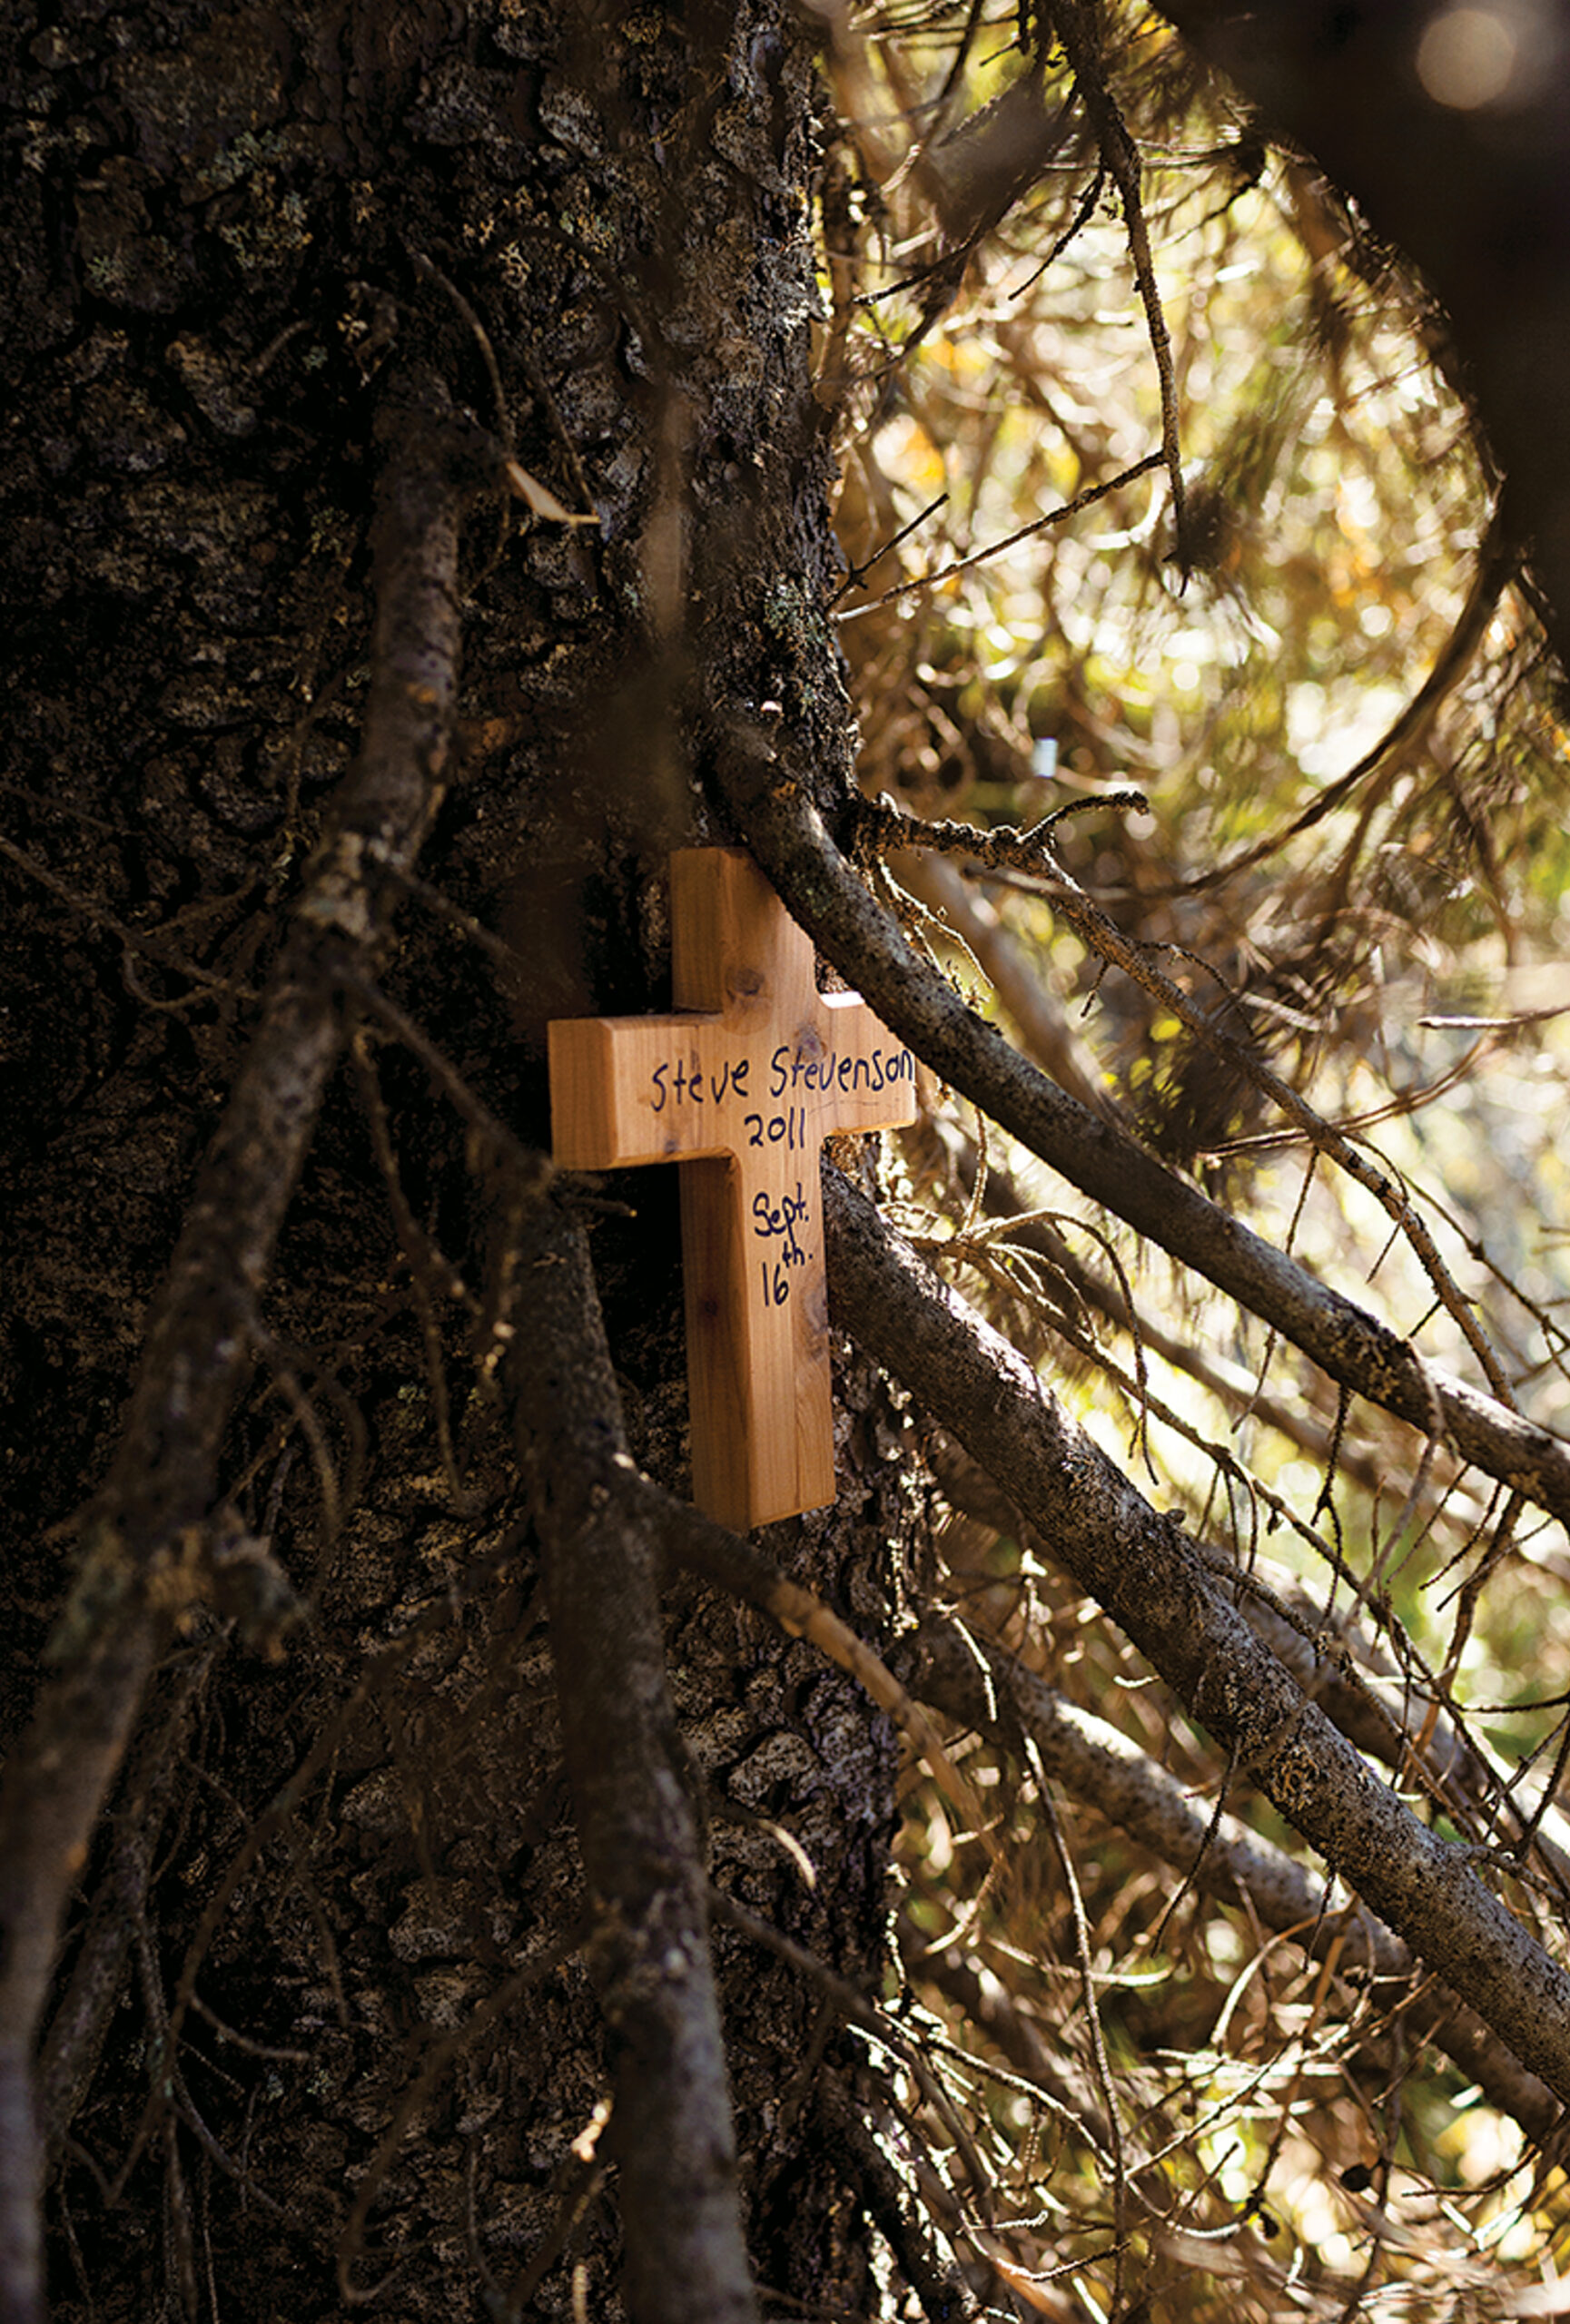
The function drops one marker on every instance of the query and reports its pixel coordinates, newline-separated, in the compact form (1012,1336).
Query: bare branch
(977,1681)
(1105,1162)
(1152,1579)
(649,1951)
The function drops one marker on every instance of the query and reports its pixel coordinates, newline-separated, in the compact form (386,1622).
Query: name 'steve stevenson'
(678,1082)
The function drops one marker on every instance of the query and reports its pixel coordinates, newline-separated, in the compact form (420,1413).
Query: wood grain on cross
(741,1095)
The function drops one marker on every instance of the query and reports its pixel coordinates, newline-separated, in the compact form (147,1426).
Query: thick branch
(1148,1576)
(1040,1017)
(1105,1162)
(982,1686)
(976,1681)
(142,1557)
(649,1953)
(1339,1664)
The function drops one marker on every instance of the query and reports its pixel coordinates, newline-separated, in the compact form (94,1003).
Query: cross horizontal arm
(631,1089)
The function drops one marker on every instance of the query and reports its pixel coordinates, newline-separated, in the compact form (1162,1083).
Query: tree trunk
(324,2018)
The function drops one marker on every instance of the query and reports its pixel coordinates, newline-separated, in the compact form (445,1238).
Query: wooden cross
(742,1096)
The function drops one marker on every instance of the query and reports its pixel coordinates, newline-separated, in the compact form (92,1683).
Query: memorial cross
(740,1094)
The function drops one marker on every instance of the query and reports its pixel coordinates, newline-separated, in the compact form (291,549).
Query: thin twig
(857,574)
(1032,852)
(1085,499)
(1087,1968)
(1077,26)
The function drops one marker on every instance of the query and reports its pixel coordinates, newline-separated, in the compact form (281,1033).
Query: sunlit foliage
(1303,640)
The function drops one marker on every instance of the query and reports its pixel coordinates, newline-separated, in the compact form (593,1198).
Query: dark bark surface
(231,235)
(161,1504)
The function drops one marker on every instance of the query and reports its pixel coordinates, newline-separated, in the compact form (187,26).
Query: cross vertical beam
(741,1090)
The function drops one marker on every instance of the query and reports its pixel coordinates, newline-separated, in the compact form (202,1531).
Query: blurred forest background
(1168,534)
(1332,690)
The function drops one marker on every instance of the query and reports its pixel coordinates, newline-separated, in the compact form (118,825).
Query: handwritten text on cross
(742,1096)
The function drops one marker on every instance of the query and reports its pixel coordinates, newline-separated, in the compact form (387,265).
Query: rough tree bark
(235,236)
